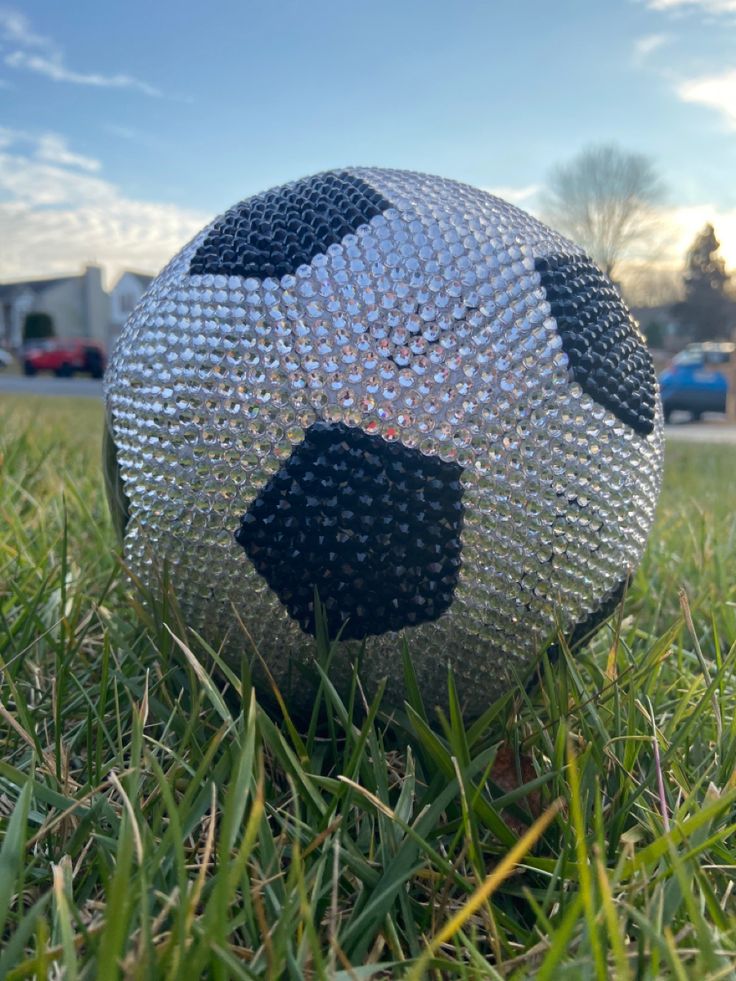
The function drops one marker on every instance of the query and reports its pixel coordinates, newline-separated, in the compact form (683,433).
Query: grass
(156,822)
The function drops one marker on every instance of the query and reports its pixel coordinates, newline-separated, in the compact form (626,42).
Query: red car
(64,357)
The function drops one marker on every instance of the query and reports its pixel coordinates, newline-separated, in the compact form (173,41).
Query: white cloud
(36,184)
(53,67)
(14,27)
(707,6)
(121,234)
(677,228)
(684,223)
(124,132)
(516,195)
(48,147)
(54,219)
(8,136)
(648,44)
(53,149)
(653,275)
(716,91)
(134,135)
(49,60)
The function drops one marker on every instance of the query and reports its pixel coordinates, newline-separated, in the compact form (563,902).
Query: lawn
(156,822)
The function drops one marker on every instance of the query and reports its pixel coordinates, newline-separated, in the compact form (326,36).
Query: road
(712,429)
(703,432)
(49,385)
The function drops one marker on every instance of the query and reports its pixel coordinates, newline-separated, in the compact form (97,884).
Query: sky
(125,127)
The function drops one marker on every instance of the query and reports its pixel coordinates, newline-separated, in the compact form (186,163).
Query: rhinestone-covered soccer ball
(405,394)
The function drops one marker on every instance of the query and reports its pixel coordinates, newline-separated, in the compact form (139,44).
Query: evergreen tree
(707,312)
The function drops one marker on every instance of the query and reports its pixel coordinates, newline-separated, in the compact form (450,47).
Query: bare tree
(605,200)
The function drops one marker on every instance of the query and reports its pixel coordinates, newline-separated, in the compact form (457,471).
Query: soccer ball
(399,392)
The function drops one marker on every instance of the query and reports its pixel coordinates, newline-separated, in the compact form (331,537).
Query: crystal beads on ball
(405,393)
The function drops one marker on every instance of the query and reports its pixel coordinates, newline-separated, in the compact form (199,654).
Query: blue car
(697,380)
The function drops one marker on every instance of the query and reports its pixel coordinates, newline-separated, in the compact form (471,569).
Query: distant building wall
(14,313)
(63,304)
(77,305)
(96,305)
(124,297)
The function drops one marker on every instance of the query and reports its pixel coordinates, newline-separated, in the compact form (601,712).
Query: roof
(8,290)
(143,278)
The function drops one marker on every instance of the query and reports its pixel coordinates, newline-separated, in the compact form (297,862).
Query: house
(123,298)
(78,306)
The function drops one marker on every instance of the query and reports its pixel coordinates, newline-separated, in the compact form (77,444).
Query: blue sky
(123,127)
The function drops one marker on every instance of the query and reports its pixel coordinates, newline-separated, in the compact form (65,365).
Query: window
(688,358)
(127,302)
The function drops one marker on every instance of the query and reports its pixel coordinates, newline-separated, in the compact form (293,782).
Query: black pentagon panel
(117,499)
(272,234)
(373,525)
(607,354)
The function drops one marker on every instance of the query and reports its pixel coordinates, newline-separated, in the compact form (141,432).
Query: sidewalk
(710,431)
